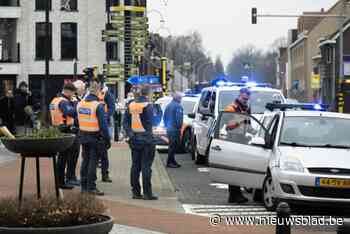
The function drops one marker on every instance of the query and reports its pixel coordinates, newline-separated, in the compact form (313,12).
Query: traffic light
(254,15)
(88,73)
(163,75)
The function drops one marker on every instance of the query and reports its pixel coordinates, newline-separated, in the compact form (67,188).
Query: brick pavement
(163,216)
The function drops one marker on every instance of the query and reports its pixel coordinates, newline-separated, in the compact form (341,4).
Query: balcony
(9,59)
(10,9)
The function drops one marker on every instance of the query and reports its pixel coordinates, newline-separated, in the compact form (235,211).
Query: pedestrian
(138,123)
(107,100)
(93,130)
(22,100)
(62,113)
(173,119)
(71,177)
(240,105)
(7,107)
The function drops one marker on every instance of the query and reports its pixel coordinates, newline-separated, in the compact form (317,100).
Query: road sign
(254,15)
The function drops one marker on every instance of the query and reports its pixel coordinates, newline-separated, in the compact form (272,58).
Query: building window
(40,41)
(329,55)
(112,51)
(110,3)
(69,5)
(40,5)
(69,41)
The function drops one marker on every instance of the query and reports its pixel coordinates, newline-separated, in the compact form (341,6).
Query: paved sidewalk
(163,216)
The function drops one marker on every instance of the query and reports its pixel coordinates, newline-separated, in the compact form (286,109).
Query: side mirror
(258,141)
(192,115)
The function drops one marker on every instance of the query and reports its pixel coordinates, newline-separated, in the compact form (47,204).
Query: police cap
(245,91)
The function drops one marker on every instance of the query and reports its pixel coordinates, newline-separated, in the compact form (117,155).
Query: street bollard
(344,229)
(283,214)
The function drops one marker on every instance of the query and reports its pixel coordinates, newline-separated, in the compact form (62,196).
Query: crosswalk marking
(203,170)
(219,186)
(234,210)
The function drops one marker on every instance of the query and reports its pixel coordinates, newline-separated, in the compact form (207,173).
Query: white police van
(214,100)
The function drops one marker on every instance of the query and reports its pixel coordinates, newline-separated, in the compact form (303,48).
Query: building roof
(300,39)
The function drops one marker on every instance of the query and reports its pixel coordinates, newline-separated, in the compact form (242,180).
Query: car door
(203,121)
(239,153)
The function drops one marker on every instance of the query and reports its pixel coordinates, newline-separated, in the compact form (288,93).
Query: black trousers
(88,167)
(174,142)
(103,154)
(66,159)
(142,160)
(73,161)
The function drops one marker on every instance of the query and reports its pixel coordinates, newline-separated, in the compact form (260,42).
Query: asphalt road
(200,196)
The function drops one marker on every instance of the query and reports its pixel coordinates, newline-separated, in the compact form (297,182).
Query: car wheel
(268,194)
(186,141)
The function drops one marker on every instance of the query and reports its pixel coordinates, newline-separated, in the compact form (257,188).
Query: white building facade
(76,27)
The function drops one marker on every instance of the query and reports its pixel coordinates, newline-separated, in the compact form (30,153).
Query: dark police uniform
(106,100)
(62,114)
(173,120)
(138,124)
(93,127)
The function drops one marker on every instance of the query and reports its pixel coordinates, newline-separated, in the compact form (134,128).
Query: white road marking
(234,210)
(204,170)
(219,186)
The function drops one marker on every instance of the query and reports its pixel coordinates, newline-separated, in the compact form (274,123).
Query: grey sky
(226,24)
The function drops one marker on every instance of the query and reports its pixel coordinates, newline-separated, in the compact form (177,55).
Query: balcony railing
(10,55)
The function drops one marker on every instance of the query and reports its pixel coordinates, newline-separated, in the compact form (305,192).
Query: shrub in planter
(77,213)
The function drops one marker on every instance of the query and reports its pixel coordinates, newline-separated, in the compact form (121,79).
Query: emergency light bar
(301,106)
(244,84)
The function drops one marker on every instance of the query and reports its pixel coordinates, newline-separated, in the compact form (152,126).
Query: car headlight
(291,164)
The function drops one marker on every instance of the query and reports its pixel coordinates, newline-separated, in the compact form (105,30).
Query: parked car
(296,156)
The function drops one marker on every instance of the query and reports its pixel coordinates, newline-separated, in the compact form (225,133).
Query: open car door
(239,152)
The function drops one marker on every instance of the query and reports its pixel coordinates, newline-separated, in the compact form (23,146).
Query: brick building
(305,53)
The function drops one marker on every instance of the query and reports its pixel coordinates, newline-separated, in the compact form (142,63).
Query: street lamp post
(47,62)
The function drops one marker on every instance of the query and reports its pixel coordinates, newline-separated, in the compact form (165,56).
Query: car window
(188,106)
(205,100)
(212,103)
(315,131)
(266,123)
(237,128)
(258,99)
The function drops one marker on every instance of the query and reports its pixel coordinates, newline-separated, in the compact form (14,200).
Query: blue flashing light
(251,84)
(139,80)
(299,106)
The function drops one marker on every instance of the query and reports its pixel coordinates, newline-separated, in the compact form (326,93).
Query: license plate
(332,183)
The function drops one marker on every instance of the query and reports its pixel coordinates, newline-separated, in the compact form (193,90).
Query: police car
(189,104)
(214,100)
(298,156)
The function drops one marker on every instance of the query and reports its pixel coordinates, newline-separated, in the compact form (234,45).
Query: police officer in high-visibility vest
(62,113)
(138,123)
(240,105)
(106,99)
(93,130)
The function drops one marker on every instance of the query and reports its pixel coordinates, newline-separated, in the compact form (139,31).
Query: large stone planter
(97,228)
(38,147)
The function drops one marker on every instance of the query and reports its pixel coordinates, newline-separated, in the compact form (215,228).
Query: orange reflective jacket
(87,117)
(135,110)
(57,117)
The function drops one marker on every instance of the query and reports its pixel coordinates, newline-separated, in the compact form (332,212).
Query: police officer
(71,177)
(106,99)
(240,105)
(62,116)
(173,119)
(93,128)
(138,123)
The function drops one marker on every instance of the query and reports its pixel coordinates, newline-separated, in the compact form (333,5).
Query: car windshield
(188,106)
(258,99)
(316,131)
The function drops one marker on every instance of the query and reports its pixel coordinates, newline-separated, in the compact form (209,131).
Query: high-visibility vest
(87,117)
(57,117)
(234,107)
(101,98)
(135,110)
